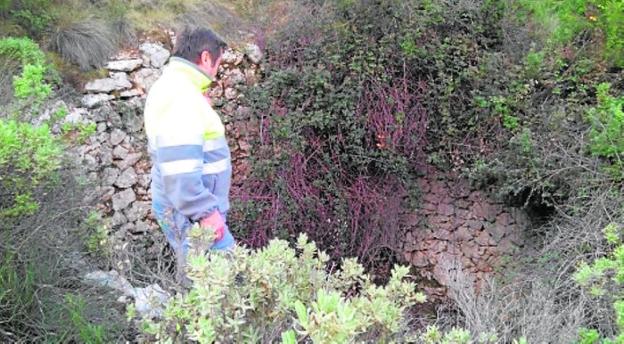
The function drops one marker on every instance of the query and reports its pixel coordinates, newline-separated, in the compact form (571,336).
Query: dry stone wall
(456,227)
(459,228)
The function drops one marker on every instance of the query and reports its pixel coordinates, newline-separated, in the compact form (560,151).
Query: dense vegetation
(524,98)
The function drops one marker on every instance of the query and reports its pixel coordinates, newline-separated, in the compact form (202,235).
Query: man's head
(201,46)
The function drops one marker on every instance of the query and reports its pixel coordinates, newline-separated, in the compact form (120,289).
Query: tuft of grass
(87,43)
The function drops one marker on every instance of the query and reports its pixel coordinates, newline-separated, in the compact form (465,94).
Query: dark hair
(193,41)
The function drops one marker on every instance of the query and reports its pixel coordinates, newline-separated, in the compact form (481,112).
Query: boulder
(154,55)
(110,175)
(94,100)
(139,211)
(232,57)
(117,136)
(124,65)
(108,85)
(145,78)
(127,178)
(120,153)
(254,53)
(123,199)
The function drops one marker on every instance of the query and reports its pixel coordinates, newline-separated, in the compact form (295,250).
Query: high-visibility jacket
(192,167)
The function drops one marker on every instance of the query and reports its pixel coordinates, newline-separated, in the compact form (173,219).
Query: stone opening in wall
(539,204)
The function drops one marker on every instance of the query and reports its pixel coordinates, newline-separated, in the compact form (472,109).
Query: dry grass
(87,43)
(49,245)
(538,299)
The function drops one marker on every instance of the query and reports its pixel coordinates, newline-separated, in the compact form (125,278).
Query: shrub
(604,277)
(343,135)
(607,128)
(32,84)
(258,296)
(565,20)
(29,158)
(87,43)
(22,49)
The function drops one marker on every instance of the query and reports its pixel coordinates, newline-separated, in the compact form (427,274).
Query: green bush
(22,49)
(607,127)
(259,296)
(32,84)
(29,159)
(604,277)
(565,20)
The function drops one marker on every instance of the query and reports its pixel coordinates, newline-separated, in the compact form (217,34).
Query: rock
(145,78)
(110,175)
(446,209)
(475,225)
(108,85)
(126,179)
(504,219)
(496,231)
(154,55)
(110,279)
(76,116)
(150,302)
(140,227)
(120,153)
(130,160)
(117,136)
(230,93)
(124,65)
(431,198)
(441,234)
(139,211)
(105,193)
(145,180)
(132,122)
(130,93)
(114,119)
(419,260)
(106,157)
(215,92)
(93,100)
(254,53)
(101,127)
(123,199)
(232,57)
(90,163)
(470,249)
(251,78)
(234,78)
(483,238)
(118,219)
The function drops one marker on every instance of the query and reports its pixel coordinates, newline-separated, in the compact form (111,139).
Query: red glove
(214,221)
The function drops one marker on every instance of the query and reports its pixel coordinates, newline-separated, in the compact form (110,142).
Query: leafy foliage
(565,20)
(32,84)
(604,277)
(29,157)
(607,127)
(258,296)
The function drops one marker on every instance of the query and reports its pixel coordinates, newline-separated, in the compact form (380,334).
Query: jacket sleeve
(180,159)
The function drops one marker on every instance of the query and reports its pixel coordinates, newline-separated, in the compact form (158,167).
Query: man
(192,169)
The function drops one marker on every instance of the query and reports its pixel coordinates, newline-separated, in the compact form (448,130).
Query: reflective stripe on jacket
(192,168)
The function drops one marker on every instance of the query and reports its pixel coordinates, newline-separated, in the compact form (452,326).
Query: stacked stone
(459,227)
